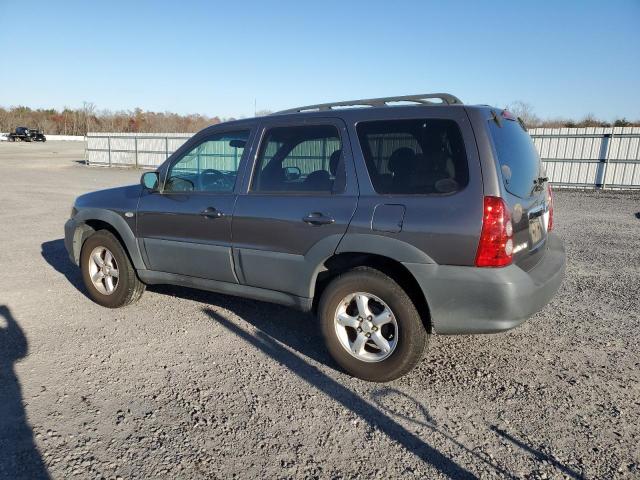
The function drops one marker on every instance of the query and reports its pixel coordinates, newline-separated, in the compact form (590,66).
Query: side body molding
(385,246)
(118,223)
(286,272)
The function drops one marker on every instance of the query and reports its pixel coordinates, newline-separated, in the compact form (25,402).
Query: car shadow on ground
(281,330)
(55,254)
(537,454)
(19,456)
(369,412)
(296,329)
(296,335)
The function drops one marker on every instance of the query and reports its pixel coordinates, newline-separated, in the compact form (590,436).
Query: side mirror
(149,180)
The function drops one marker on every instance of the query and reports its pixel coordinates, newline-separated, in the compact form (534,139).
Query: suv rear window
(414,156)
(518,157)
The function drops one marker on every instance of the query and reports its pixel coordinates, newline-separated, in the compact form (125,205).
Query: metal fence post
(608,137)
(606,159)
(109,148)
(166,147)
(135,144)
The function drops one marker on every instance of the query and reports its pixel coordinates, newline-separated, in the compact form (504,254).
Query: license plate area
(536,230)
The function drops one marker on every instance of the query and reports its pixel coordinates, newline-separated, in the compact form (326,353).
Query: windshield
(518,157)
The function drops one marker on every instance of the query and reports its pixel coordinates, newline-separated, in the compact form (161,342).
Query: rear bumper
(465,300)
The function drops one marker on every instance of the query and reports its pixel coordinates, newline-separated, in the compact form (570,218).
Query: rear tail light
(550,203)
(495,248)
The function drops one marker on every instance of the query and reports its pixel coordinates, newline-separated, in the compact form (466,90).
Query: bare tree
(524,111)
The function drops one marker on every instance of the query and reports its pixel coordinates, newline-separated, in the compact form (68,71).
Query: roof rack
(424,99)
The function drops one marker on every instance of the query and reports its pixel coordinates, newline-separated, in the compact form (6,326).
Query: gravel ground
(187,384)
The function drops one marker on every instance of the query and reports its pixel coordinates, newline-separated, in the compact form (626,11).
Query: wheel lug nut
(369,317)
(359,329)
(375,329)
(368,335)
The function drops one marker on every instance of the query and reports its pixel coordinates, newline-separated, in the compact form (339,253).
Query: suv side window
(424,156)
(300,159)
(211,166)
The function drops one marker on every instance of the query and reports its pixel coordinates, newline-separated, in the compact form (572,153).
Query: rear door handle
(318,218)
(211,212)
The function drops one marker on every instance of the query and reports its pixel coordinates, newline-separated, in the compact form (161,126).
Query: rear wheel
(108,275)
(370,325)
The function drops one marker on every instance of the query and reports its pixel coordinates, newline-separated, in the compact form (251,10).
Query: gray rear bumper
(465,300)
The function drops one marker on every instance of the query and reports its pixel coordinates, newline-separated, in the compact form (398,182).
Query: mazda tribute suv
(391,218)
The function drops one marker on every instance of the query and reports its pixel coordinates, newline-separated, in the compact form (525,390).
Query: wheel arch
(91,220)
(342,262)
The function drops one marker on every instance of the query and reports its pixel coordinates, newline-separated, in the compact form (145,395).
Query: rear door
(300,198)
(525,188)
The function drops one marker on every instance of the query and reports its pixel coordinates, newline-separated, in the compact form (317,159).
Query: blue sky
(566,58)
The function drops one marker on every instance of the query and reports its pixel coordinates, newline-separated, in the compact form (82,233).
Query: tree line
(526,112)
(79,121)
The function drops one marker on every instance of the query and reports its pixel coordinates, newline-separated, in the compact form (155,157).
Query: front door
(301,197)
(186,227)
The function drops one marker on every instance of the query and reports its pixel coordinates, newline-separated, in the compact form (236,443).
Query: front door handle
(211,212)
(318,218)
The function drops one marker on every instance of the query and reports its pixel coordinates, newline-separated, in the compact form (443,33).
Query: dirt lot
(186,384)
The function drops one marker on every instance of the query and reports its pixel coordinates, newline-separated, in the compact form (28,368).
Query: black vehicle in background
(24,134)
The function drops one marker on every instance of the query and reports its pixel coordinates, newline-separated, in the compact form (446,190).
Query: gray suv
(392,218)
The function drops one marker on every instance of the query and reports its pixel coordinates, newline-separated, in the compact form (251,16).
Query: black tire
(128,288)
(412,336)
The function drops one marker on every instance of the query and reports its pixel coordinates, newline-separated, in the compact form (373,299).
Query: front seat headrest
(334,161)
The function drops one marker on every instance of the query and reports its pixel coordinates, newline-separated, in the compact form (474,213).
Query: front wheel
(108,275)
(370,325)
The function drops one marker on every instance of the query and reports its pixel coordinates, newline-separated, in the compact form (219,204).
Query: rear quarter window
(414,157)
(517,155)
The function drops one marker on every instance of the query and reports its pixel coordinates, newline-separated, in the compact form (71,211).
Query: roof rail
(424,99)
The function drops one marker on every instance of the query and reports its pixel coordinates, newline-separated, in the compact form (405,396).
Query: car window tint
(300,159)
(519,160)
(414,156)
(211,166)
